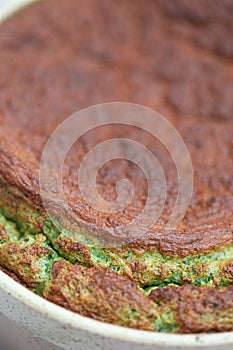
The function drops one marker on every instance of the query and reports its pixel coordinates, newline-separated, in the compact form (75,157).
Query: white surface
(3,2)
(8,2)
(9,6)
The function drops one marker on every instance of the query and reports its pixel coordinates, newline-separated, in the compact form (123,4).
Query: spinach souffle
(175,57)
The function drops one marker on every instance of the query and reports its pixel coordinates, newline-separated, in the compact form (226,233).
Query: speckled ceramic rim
(62,315)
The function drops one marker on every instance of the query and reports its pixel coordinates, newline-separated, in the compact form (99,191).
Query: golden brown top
(58,57)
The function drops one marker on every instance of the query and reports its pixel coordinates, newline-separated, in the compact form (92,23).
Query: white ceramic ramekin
(28,322)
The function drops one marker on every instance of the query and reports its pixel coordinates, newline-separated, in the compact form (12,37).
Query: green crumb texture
(118,286)
(146,269)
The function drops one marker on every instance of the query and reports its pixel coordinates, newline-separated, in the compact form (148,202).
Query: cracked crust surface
(199,309)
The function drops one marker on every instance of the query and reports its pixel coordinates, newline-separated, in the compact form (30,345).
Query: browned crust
(208,223)
(102,295)
(228,270)
(3,234)
(24,261)
(199,309)
(75,248)
(177,243)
